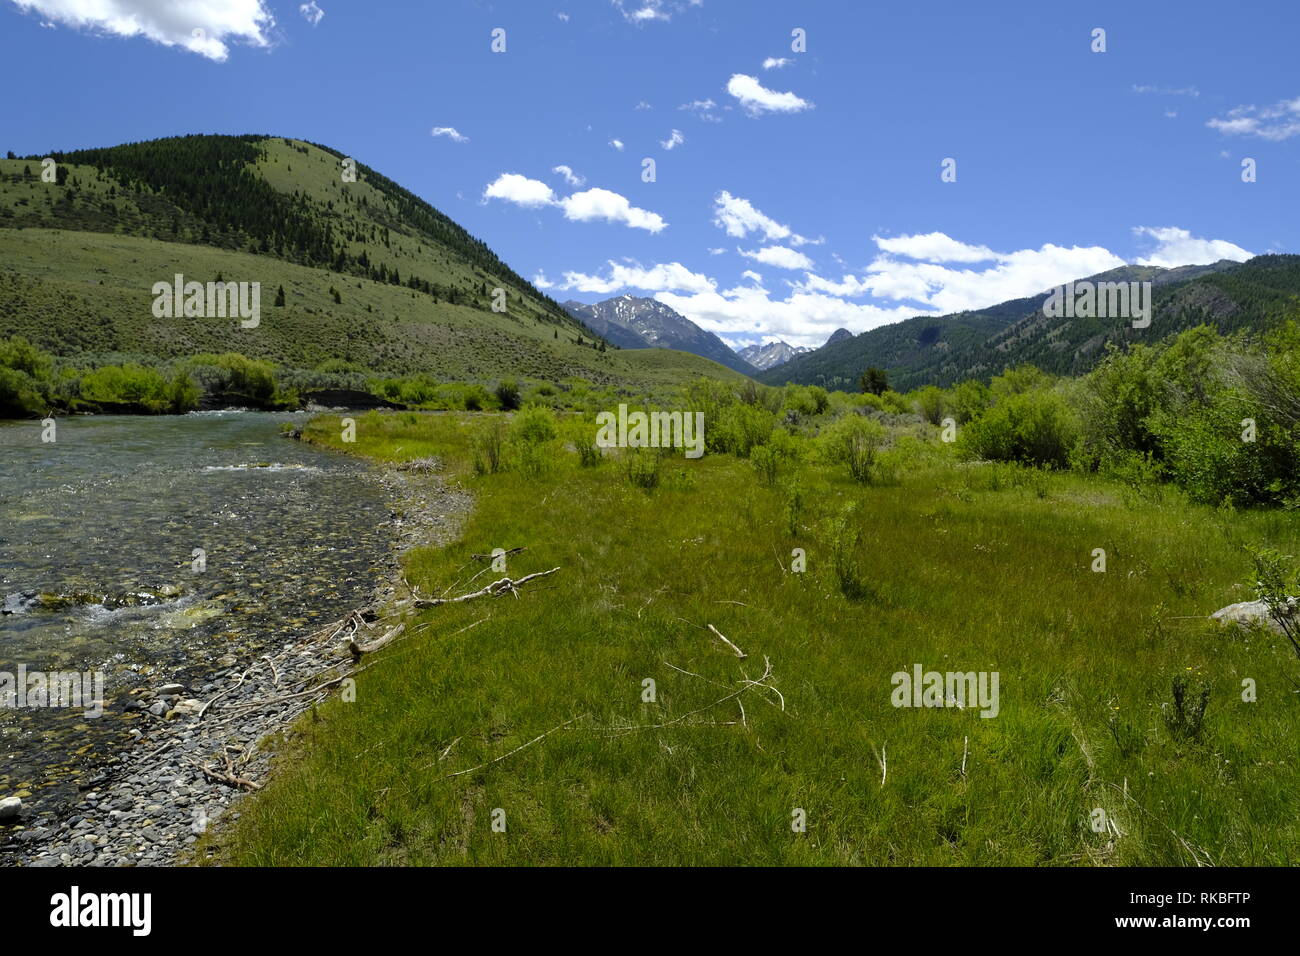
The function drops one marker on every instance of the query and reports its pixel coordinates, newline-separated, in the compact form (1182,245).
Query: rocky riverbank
(203,744)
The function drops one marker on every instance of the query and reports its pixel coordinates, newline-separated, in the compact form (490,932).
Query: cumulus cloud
(520,190)
(775,62)
(801,318)
(588,206)
(1276,123)
(617,144)
(205,28)
(664,277)
(934,247)
(779,256)
(570,177)
(739,217)
(757,99)
(450,132)
(597,204)
(311,12)
(675,139)
(923,274)
(1178,247)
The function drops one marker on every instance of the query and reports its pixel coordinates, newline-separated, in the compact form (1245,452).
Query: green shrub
(641,467)
(1034,428)
(843,536)
(507,394)
(764,459)
(931,404)
(534,425)
(853,441)
(489,447)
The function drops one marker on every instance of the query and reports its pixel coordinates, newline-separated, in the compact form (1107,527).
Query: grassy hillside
(536,707)
(943,350)
(88,294)
(372,275)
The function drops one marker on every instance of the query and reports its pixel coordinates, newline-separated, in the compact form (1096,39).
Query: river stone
(166,689)
(10,807)
(1246,613)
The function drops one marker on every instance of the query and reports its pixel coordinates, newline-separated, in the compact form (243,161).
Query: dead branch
(357,650)
(718,634)
(459,773)
(496,588)
(502,554)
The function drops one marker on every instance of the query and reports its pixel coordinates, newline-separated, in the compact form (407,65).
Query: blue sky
(802,190)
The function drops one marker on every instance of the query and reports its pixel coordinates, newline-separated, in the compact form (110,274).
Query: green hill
(372,275)
(943,350)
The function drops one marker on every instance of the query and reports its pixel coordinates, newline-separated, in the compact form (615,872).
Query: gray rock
(1246,613)
(10,807)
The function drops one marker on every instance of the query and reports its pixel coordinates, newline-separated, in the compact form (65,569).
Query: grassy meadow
(522,731)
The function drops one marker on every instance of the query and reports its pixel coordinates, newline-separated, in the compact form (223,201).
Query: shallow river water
(98,572)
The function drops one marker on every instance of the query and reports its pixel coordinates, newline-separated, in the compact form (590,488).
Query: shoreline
(213,741)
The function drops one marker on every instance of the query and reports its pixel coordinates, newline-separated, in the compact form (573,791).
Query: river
(99,575)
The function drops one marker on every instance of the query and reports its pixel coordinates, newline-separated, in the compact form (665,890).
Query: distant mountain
(770,355)
(655,325)
(612,332)
(839,335)
(943,350)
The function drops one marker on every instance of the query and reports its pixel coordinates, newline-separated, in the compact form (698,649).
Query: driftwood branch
(719,635)
(497,588)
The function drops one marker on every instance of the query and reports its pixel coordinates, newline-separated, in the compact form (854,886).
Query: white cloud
(1178,247)
(1276,123)
(643,105)
(204,27)
(756,99)
(801,318)
(311,12)
(520,190)
(775,63)
(739,217)
(617,144)
(674,140)
(644,11)
(924,274)
(450,132)
(570,177)
(563,16)
(779,256)
(587,206)
(670,276)
(595,204)
(934,247)
(703,109)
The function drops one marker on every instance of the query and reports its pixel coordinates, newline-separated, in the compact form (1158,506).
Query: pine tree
(279,296)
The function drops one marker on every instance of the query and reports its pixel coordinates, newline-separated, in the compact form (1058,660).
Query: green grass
(983,568)
(99,287)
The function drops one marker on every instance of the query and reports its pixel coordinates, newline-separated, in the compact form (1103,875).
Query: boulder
(1246,613)
(10,807)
